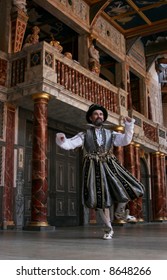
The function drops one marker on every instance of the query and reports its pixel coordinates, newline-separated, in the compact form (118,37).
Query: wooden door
(64,199)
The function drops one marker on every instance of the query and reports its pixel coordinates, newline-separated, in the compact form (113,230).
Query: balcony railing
(43,60)
(149,132)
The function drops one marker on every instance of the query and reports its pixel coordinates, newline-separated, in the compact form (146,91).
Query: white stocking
(105,216)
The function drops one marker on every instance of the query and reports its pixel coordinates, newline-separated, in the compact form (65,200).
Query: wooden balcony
(42,63)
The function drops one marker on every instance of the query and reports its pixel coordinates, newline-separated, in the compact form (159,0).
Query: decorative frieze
(35,58)
(150,132)
(137,54)
(109,37)
(18,27)
(162,133)
(79,9)
(138,121)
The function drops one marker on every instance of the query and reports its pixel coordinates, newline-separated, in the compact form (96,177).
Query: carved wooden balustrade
(149,133)
(46,63)
(84,86)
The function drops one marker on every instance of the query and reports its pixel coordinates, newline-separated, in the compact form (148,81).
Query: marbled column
(119,153)
(39,161)
(138,201)
(165,187)
(163,183)
(129,160)
(157,195)
(8,207)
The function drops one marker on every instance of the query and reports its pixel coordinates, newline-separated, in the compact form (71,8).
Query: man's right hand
(60,136)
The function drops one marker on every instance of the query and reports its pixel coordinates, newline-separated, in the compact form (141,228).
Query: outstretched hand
(127,119)
(60,136)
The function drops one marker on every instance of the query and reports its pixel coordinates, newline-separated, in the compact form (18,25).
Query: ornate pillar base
(8,225)
(140,220)
(158,219)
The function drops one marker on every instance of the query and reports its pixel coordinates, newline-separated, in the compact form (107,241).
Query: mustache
(98,122)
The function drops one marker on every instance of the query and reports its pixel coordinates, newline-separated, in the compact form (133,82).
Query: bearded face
(97,118)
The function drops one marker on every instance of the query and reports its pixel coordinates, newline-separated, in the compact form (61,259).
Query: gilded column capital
(42,95)
(162,154)
(156,154)
(10,107)
(137,145)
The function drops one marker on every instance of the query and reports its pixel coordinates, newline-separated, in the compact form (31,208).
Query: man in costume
(105,180)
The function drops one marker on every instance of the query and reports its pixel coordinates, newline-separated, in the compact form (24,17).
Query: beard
(98,122)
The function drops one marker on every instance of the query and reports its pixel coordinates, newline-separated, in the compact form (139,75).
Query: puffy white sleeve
(70,143)
(123,139)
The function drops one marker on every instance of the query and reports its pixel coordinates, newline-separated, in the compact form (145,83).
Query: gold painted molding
(39,224)
(43,95)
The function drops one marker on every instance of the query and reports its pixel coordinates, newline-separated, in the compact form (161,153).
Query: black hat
(93,108)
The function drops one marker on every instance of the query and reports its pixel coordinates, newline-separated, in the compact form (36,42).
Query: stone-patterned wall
(154,89)
(137,55)
(156,103)
(110,37)
(75,9)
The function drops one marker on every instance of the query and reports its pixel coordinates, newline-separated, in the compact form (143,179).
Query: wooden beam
(145,30)
(149,61)
(130,42)
(156,48)
(97,9)
(139,12)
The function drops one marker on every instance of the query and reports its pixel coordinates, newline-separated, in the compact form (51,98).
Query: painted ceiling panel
(130,14)
(156,14)
(130,21)
(118,8)
(144,3)
(146,20)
